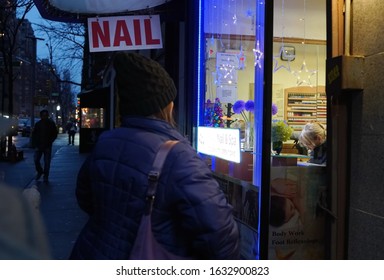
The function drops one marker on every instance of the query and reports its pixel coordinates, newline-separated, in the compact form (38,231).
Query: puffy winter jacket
(191,216)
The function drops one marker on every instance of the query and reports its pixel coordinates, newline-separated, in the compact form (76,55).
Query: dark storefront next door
(94,116)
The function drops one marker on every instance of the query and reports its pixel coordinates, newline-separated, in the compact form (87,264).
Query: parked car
(27,129)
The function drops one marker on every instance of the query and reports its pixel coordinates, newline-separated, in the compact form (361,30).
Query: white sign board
(226,68)
(226,93)
(219,142)
(124,33)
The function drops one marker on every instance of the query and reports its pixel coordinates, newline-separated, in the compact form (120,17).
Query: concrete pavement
(61,214)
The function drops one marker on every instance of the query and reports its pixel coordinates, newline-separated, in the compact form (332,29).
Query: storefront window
(232,38)
(229,33)
(234,98)
(92,118)
(298,181)
(230,57)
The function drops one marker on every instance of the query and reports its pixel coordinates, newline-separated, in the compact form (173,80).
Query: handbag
(145,246)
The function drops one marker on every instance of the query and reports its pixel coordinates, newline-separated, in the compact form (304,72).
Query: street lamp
(57,114)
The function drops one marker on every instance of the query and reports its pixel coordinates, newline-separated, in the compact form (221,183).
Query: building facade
(353,201)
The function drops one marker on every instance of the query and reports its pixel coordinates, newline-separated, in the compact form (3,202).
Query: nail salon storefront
(250,75)
(260,78)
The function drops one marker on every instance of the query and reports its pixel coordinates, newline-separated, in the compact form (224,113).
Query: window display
(237,90)
(297,189)
(92,118)
(231,54)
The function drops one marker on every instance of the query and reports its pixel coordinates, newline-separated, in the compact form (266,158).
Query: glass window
(232,54)
(230,59)
(233,97)
(298,137)
(92,118)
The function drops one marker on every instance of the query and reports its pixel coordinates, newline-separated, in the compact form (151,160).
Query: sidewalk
(62,216)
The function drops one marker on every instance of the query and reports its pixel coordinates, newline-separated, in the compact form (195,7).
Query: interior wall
(300,19)
(300,24)
(366,209)
(313,55)
(295,24)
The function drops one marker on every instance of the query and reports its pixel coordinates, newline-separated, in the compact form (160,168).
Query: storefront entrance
(263,74)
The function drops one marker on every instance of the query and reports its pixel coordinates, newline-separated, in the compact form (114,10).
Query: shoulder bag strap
(154,174)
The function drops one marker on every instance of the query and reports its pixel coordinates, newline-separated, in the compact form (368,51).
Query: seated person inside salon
(313,137)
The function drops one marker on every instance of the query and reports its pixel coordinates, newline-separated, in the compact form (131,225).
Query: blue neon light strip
(259,97)
(199,93)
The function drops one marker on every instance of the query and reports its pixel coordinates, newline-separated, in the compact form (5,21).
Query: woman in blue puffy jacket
(191,216)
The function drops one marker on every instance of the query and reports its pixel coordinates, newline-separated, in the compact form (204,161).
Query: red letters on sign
(148,33)
(97,33)
(124,33)
(137,28)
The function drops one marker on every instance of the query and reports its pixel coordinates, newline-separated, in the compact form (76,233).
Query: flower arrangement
(281,131)
(240,106)
(274,109)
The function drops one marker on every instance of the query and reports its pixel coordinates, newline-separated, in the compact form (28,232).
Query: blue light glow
(259,107)
(259,95)
(199,58)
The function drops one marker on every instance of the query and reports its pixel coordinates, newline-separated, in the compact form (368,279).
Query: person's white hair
(310,133)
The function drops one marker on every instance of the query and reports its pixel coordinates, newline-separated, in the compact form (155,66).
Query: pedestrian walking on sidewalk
(71,129)
(43,136)
(191,217)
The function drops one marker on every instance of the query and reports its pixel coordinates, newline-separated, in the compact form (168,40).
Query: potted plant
(281,132)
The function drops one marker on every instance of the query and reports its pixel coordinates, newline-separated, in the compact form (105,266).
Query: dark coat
(71,128)
(191,216)
(44,134)
(319,154)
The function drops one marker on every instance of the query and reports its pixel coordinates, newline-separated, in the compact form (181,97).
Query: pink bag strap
(154,174)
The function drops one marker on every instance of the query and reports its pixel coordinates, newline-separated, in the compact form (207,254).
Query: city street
(62,217)
(20,174)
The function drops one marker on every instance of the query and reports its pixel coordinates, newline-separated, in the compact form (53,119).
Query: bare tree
(12,15)
(68,48)
(65,43)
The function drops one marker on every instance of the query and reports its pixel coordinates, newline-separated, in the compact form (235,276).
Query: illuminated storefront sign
(219,142)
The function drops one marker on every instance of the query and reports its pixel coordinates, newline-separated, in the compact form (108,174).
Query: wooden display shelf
(304,104)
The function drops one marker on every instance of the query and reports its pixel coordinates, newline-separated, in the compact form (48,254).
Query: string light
(286,64)
(258,54)
(241,58)
(304,75)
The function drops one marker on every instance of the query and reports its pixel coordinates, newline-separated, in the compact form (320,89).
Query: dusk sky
(42,50)
(35,17)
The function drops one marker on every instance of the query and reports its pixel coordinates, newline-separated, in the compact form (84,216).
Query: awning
(79,10)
